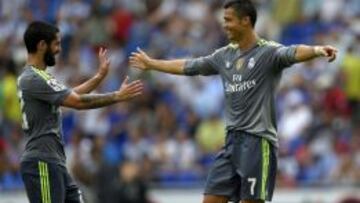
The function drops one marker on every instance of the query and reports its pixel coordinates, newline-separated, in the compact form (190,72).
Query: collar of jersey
(41,73)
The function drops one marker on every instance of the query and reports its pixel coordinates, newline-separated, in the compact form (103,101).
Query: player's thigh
(215,199)
(255,160)
(31,179)
(222,179)
(43,182)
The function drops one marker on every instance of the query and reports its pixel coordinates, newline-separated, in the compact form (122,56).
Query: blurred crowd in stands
(168,136)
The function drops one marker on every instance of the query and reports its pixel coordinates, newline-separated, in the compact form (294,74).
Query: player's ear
(42,45)
(246,20)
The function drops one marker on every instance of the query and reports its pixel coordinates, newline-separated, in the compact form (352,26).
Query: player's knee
(215,199)
(252,201)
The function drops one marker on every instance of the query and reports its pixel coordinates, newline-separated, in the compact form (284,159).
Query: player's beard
(49,58)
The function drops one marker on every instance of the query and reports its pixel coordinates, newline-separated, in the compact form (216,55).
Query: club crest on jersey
(239,64)
(251,63)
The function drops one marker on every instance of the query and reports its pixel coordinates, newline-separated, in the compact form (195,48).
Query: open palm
(140,60)
(104,62)
(130,90)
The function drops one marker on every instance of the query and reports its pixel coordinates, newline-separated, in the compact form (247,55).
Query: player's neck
(247,41)
(36,61)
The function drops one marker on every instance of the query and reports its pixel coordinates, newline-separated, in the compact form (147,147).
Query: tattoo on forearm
(98,100)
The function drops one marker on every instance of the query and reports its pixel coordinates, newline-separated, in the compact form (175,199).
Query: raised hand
(130,90)
(104,62)
(326,51)
(140,60)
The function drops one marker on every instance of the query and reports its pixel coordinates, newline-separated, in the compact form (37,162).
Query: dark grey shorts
(245,168)
(48,182)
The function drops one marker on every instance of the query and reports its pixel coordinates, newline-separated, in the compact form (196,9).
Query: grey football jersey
(249,79)
(40,96)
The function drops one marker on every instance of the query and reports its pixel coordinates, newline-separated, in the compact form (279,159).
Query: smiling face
(234,25)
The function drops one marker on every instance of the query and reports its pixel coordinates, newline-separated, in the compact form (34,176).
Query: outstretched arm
(126,92)
(93,82)
(142,61)
(305,53)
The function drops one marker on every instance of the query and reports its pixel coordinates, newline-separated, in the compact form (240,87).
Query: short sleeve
(284,56)
(49,90)
(206,65)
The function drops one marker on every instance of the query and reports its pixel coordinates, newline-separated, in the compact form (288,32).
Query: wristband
(318,51)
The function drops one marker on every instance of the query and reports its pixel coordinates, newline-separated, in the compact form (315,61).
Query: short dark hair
(243,8)
(37,31)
